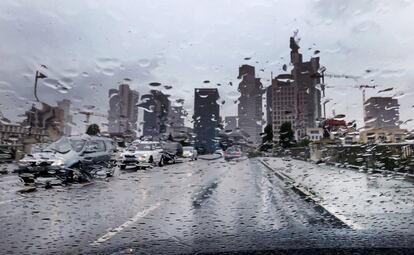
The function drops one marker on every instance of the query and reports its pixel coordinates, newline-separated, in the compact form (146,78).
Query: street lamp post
(39,75)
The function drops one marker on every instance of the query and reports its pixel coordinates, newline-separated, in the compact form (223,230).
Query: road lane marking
(131,221)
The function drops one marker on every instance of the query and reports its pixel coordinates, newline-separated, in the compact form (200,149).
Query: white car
(142,154)
(190,152)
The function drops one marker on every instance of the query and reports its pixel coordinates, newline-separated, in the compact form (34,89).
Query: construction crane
(321,74)
(88,115)
(363,87)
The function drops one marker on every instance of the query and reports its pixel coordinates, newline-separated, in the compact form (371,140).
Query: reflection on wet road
(204,205)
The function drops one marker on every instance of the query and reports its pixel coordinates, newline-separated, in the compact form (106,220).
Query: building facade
(206,119)
(49,118)
(156,113)
(269,104)
(65,106)
(123,110)
(230,123)
(381,112)
(295,96)
(250,103)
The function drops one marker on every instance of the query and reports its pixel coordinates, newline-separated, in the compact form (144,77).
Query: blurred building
(14,134)
(269,104)
(314,134)
(123,110)
(206,119)
(295,96)
(51,119)
(381,112)
(65,106)
(156,113)
(250,103)
(383,135)
(175,125)
(230,123)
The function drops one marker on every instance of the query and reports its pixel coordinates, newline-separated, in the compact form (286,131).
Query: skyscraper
(123,112)
(269,105)
(381,112)
(250,103)
(157,106)
(206,118)
(295,96)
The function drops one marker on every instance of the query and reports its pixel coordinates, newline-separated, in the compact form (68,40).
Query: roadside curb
(308,195)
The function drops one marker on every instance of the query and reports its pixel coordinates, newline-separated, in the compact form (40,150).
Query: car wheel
(195,159)
(122,167)
(151,160)
(161,163)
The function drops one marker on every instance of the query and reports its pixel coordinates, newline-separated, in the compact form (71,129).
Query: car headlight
(142,158)
(58,162)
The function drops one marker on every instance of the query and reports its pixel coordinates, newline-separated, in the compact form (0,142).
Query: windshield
(144,147)
(242,126)
(65,144)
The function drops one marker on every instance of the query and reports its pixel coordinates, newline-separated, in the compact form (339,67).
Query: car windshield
(144,147)
(207,126)
(65,144)
(77,144)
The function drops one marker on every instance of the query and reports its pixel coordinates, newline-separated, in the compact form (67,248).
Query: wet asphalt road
(204,205)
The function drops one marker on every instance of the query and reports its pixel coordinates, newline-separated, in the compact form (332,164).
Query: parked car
(232,153)
(219,152)
(171,151)
(76,158)
(6,154)
(190,152)
(142,154)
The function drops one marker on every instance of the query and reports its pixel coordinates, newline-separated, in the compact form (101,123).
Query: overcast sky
(91,46)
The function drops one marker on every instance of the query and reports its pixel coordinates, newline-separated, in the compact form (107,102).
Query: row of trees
(286,137)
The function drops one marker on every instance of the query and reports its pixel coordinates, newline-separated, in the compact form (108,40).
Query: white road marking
(134,219)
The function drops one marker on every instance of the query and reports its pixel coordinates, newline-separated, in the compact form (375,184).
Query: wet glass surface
(295,119)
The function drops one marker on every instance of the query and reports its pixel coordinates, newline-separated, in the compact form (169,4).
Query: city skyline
(184,64)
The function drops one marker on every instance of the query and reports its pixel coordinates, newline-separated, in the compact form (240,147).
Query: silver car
(70,158)
(190,152)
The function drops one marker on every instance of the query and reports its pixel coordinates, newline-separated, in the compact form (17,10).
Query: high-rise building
(295,96)
(284,102)
(175,125)
(123,112)
(176,116)
(250,103)
(230,123)
(269,105)
(206,118)
(157,106)
(381,112)
(65,106)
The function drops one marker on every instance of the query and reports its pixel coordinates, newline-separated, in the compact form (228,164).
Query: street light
(39,75)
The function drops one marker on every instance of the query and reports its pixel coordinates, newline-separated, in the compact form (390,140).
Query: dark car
(171,151)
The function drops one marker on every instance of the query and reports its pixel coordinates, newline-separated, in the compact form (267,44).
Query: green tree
(286,135)
(304,142)
(267,138)
(170,137)
(268,134)
(93,129)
